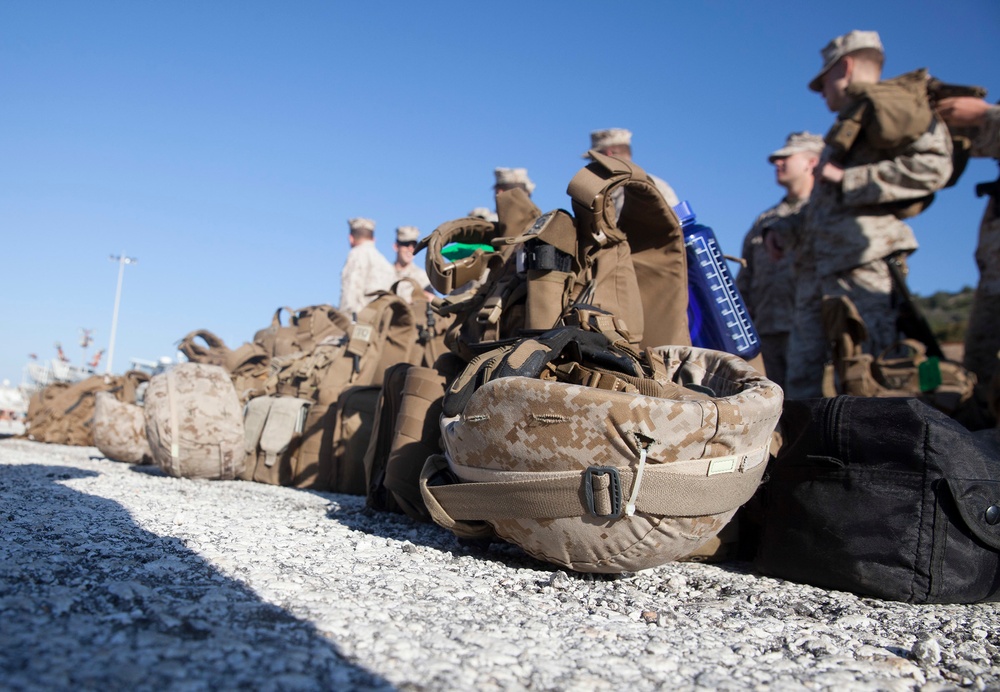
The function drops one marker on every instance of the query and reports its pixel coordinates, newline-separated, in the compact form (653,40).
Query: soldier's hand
(832,173)
(773,247)
(963,111)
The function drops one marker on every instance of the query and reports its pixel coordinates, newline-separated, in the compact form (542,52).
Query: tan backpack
(597,458)
(194,422)
(306,433)
(120,430)
(306,327)
(63,413)
(632,268)
(943,384)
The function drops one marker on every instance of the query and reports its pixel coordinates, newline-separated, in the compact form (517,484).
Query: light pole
(122,260)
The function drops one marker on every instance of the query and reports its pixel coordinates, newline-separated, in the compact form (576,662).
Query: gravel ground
(117,577)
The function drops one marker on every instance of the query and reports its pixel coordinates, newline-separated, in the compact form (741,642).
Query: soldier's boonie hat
(600,139)
(799,142)
(514,176)
(484,214)
(844,45)
(361,224)
(407,234)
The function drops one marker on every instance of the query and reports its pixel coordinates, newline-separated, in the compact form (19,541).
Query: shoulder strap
(597,491)
(213,353)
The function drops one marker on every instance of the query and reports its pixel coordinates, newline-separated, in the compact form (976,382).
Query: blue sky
(225,144)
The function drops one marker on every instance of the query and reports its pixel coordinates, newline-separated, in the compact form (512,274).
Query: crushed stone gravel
(116,577)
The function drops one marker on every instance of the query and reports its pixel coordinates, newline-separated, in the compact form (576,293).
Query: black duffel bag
(883,497)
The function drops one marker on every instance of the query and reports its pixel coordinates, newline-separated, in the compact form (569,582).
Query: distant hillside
(948,313)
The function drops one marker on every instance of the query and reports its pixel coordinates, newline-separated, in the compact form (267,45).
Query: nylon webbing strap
(663,492)
(175,433)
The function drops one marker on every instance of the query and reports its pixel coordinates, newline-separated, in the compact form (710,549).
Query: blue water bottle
(717,316)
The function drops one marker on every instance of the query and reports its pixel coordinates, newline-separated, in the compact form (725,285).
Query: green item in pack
(457,251)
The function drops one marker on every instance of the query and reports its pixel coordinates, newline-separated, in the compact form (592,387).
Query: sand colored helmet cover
(603,471)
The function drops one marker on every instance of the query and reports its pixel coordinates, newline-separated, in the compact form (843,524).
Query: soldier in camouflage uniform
(847,222)
(405,267)
(767,285)
(982,338)
(509,178)
(365,270)
(617,142)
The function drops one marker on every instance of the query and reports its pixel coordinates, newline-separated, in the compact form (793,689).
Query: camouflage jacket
(849,224)
(987,144)
(767,286)
(365,271)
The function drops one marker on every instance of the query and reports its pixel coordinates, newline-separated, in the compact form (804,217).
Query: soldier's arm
(745,276)
(923,168)
(987,142)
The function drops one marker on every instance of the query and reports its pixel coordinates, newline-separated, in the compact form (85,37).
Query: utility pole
(122,260)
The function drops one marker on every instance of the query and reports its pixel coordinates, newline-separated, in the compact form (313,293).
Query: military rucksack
(120,430)
(306,327)
(63,412)
(306,432)
(631,266)
(891,115)
(938,382)
(248,365)
(592,456)
(194,422)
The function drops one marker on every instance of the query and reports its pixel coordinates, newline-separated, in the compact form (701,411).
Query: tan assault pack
(597,458)
(63,412)
(943,384)
(893,114)
(632,268)
(313,427)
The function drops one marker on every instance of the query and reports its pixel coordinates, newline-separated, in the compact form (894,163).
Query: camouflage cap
(484,214)
(600,139)
(407,234)
(845,45)
(799,142)
(514,176)
(361,224)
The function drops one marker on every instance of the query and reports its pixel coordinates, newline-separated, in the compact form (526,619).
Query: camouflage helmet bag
(194,422)
(594,467)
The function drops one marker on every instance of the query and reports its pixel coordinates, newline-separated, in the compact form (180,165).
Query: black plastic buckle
(614,489)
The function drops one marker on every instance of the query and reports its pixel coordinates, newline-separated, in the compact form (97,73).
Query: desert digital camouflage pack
(194,422)
(592,456)
(120,429)
(631,266)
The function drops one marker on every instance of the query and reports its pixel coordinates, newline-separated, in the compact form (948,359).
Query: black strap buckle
(608,484)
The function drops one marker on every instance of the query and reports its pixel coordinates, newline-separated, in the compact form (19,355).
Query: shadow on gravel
(401,528)
(89,600)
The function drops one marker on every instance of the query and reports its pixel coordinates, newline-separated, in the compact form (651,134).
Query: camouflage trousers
(774,349)
(982,337)
(869,286)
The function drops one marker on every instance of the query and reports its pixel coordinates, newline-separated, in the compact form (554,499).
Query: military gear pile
(596,458)
(943,384)
(632,267)
(313,427)
(63,412)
